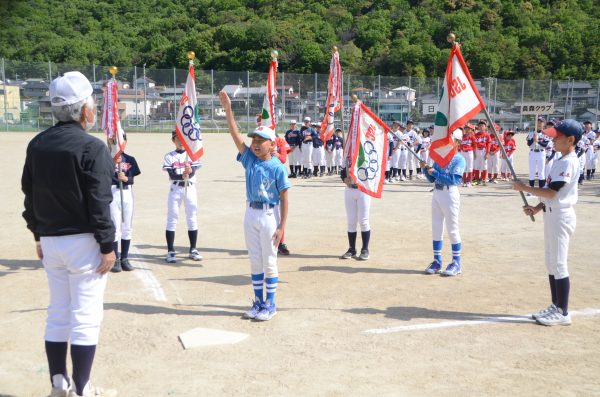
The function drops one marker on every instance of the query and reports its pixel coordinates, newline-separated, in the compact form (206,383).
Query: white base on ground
(209,337)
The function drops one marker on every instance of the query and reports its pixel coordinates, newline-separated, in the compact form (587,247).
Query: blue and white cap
(568,127)
(264,132)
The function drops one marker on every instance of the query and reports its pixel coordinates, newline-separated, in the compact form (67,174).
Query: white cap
(457,134)
(293,121)
(307,119)
(264,132)
(70,88)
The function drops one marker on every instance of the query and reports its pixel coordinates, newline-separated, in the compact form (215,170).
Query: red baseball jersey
(467,143)
(494,144)
(482,141)
(282,148)
(510,146)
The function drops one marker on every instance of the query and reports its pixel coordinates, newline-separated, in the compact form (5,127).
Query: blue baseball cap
(568,127)
(264,132)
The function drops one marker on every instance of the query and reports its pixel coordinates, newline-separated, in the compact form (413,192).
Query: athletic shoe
(433,268)
(464,185)
(483,183)
(195,255)
(267,311)
(543,312)
(56,392)
(364,255)
(254,310)
(468,184)
(125,265)
(402,178)
(494,181)
(386,182)
(95,391)
(349,254)
(554,318)
(475,183)
(283,249)
(171,257)
(116,267)
(453,269)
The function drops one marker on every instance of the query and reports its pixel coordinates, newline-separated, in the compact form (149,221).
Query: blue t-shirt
(450,175)
(265,179)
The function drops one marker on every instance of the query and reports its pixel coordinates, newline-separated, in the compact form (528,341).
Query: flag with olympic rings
(366,148)
(187,123)
(111,123)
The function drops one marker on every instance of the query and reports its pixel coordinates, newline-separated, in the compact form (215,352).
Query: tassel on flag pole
(334,96)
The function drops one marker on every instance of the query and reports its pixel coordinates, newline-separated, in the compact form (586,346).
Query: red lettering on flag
(456,87)
(370,134)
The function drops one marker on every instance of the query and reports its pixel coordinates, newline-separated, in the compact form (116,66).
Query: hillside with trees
(508,39)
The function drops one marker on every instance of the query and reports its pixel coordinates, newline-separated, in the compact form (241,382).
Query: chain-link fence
(148,98)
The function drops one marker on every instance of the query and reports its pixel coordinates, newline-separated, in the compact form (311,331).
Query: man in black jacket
(67,185)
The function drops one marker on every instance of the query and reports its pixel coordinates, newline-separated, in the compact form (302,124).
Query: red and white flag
(459,102)
(267,116)
(365,150)
(187,123)
(334,97)
(111,123)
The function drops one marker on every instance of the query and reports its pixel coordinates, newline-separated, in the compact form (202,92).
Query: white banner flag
(187,123)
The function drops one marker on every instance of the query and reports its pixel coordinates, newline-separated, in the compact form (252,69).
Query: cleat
(468,184)
(195,255)
(494,181)
(171,257)
(94,391)
(543,312)
(554,318)
(254,310)
(453,269)
(125,265)
(349,254)
(364,255)
(267,311)
(283,249)
(116,267)
(433,268)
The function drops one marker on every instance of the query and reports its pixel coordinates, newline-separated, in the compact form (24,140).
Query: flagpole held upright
(113,71)
(190,56)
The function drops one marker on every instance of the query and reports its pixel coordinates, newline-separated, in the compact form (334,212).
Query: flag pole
(113,71)
(190,56)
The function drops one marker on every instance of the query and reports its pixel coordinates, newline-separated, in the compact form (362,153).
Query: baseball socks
(56,352)
(532,182)
(170,235)
(456,248)
(193,236)
(563,287)
(117,266)
(257,285)
(271,288)
(437,251)
(352,241)
(83,358)
(364,251)
(541,183)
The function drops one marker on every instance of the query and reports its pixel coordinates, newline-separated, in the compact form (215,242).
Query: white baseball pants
(76,289)
(537,162)
(122,217)
(480,162)
(493,165)
(445,208)
(295,156)
(591,159)
(504,168)
(329,158)
(318,156)
(468,156)
(259,228)
(307,151)
(396,159)
(559,225)
(176,196)
(403,159)
(337,157)
(358,205)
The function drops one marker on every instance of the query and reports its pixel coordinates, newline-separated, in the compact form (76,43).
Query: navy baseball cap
(568,127)
(409,121)
(587,122)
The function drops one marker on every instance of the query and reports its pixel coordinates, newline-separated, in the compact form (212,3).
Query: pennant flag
(365,150)
(111,123)
(187,123)
(459,102)
(334,96)
(267,117)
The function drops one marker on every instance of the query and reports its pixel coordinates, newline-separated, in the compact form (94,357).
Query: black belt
(125,187)
(257,205)
(536,150)
(441,187)
(353,186)
(182,184)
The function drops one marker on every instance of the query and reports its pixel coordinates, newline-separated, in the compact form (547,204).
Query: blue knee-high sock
(271,288)
(125,248)
(83,358)
(563,286)
(437,251)
(56,352)
(116,248)
(257,285)
(456,252)
(552,289)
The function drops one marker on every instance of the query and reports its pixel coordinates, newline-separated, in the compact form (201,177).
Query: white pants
(396,159)
(259,228)
(307,150)
(548,165)
(337,157)
(358,205)
(122,217)
(537,161)
(329,158)
(591,159)
(504,168)
(76,289)
(318,156)
(559,225)
(480,162)
(445,207)
(176,196)
(468,156)
(493,165)
(295,156)
(403,160)
(410,160)
(424,156)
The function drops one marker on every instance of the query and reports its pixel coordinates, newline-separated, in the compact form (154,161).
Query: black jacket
(66,180)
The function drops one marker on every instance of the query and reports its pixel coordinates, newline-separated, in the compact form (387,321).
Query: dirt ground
(317,344)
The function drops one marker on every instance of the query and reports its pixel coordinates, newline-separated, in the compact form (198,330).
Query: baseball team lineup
(457,151)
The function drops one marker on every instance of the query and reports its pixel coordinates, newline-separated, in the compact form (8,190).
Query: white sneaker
(468,184)
(402,178)
(195,255)
(171,257)
(91,390)
(60,386)
(555,318)
(543,312)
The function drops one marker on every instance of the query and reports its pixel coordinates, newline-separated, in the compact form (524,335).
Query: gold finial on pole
(354,98)
(191,55)
(451,38)
(113,70)
(274,55)
(334,49)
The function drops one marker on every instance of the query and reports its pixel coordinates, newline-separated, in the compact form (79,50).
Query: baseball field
(344,328)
